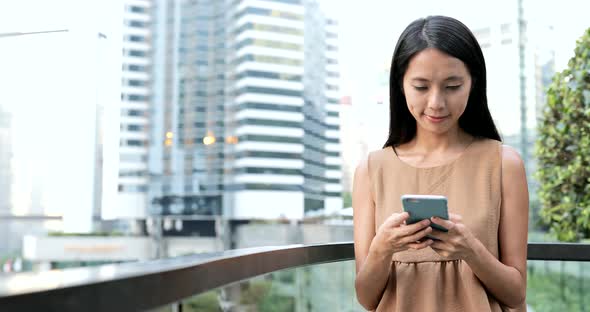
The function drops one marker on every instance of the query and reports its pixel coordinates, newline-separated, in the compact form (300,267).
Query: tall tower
(135,101)
(245,109)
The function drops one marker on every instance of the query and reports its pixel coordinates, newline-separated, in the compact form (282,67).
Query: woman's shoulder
(380,155)
(373,160)
(506,152)
(511,158)
(486,146)
(487,142)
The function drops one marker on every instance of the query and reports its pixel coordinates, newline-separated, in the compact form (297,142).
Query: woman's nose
(436,101)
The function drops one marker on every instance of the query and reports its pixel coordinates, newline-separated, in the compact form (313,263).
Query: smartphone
(422,207)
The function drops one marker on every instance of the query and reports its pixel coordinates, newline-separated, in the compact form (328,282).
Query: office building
(135,110)
(245,115)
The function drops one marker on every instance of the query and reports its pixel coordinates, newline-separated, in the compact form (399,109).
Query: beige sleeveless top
(421,280)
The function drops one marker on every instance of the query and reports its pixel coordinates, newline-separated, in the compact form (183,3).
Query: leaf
(563,149)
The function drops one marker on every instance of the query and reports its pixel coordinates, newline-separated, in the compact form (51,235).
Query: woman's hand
(395,236)
(457,243)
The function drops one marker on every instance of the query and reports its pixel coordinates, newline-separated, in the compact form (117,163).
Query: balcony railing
(153,284)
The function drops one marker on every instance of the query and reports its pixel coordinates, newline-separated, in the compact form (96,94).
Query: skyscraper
(135,101)
(245,109)
(520,61)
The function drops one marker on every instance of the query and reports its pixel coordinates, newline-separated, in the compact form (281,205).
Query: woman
(442,141)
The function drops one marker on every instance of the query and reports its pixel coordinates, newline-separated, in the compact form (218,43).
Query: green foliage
(557,291)
(206,302)
(563,149)
(277,303)
(261,295)
(254,292)
(346,199)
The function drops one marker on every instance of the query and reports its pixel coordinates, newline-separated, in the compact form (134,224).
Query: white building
(135,107)
(61,98)
(520,61)
(245,109)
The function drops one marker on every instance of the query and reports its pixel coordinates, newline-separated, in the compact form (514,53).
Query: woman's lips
(436,118)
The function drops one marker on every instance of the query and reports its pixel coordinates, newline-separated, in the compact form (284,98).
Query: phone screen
(422,207)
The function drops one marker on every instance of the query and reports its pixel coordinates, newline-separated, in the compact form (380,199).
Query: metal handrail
(151,284)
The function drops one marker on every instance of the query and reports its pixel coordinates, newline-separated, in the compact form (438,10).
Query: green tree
(563,149)
(346,199)
(206,302)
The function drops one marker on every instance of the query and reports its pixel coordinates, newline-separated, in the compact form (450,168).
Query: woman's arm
(504,278)
(373,251)
(372,266)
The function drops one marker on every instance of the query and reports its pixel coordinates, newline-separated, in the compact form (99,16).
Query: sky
(369,30)
(40,73)
(50,86)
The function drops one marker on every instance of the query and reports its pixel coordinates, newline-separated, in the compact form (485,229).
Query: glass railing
(320,287)
(287,278)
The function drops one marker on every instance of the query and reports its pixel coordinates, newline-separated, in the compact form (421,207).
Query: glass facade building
(245,109)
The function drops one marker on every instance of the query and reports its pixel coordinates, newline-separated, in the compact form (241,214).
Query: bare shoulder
(511,159)
(513,170)
(362,170)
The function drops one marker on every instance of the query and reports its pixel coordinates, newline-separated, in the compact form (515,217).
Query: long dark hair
(455,39)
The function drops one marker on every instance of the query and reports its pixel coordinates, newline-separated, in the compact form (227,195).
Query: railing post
(177,306)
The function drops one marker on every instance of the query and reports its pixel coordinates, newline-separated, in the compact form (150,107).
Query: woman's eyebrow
(450,78)
(454,78)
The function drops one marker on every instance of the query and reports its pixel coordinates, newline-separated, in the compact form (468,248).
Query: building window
(134,112)
(135,128)
(269,28)
(268,59)
(137,53)
(133,157)
(137,24)
(136,68)
(135,38)
(137,98)
(272,13)
(133,188)
(136,9)
(269,44)
(135,143)
(269,138)
(268,75)
(273,91)
(270,123)
(136,83)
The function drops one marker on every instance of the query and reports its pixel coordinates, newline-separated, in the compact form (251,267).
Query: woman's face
(436,86)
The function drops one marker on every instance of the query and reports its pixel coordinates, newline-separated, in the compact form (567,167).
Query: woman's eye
(454,87)
(420,88)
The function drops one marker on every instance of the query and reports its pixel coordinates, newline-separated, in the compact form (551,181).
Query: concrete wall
(255,235)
